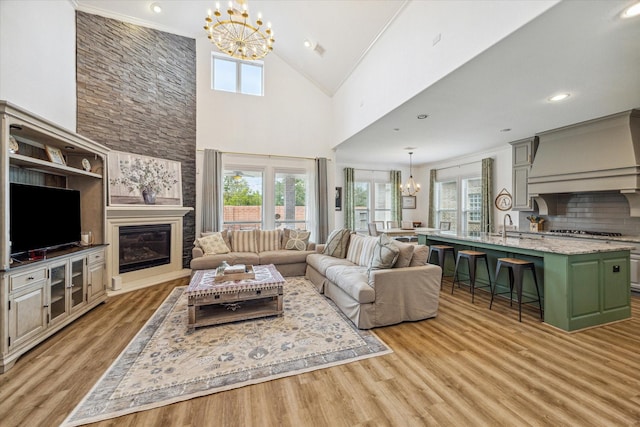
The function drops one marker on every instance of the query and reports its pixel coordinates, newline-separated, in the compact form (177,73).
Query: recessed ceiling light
(155,7)
(631,11)
(422,116)
(505,130)
(308,44)
(559,97)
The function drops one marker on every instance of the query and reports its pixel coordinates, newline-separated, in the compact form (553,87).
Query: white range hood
(597,155)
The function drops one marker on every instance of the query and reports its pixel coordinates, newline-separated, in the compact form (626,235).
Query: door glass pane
(447,203)
(224,75)
(382,199)
(242,198)
(361,203)
(251,79)
(290,200)
(77,279)
(57,297)
(472,211)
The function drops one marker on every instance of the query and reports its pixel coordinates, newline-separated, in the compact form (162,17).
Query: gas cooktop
(587,232)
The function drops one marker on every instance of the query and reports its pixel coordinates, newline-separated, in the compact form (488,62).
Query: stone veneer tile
(136,92)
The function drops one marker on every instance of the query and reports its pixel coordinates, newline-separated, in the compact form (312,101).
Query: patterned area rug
(164,364)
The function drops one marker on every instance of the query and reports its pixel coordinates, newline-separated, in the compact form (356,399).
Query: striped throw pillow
(244,241)
(361,249)
(268,240)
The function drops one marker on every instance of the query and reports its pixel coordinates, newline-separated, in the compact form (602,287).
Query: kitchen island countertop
(550,244)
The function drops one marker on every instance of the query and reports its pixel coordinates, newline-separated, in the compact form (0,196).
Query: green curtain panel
(432,201)
(395,177)
(486,215)
(349,205)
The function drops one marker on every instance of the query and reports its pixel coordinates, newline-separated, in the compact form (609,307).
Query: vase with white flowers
(148,177)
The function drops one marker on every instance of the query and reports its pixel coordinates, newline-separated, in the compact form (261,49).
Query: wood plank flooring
(467,367)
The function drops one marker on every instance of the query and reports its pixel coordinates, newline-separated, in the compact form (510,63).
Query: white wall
(38,58)
(502,170)
(404,61)
(293,118)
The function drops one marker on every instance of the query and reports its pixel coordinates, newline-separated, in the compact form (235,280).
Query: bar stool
(516,272)
(441,251)
(472,258)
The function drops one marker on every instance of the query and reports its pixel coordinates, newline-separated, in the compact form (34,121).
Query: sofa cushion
(213,244)
(385,253)
(244,241)
(361,249)
(420,256)
(268,240)
(320,262)
(354,281)
(405,255)
(283,257)
(298,240)
(337,243)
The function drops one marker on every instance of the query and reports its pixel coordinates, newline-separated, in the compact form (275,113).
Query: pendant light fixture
(410,188)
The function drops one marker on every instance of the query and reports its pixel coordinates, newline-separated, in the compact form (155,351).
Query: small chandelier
(236,36)
(410,188)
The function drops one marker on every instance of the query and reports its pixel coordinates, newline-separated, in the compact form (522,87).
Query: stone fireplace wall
(136,92)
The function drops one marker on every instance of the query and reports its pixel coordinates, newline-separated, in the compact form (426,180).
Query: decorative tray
(248,274)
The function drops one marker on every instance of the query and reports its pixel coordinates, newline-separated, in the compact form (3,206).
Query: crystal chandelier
(236,36)
(410,188)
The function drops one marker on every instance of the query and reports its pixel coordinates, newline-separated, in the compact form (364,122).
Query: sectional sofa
(375,281)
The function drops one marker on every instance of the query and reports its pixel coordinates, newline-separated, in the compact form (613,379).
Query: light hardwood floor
(469,366)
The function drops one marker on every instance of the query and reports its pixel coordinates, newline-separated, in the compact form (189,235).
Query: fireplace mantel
(145,211)
(120,216)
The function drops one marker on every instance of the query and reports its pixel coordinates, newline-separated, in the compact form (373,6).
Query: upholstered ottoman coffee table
(212,302)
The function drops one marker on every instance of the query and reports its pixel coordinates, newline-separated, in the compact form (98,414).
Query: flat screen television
(43,217)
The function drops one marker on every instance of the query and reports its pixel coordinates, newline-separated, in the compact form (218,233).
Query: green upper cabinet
(524,151)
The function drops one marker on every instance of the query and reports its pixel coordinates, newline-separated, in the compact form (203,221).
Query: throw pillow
(361,249)
(337,243)
(405,254)
(420,256)
(268,240)
(298,240)
(244,241)
(213,244)
(385,253)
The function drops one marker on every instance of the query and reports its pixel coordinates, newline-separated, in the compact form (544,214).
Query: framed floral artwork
(143,180)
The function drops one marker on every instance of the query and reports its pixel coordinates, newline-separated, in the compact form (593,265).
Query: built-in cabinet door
(523,153)
(27,314)
(95,284)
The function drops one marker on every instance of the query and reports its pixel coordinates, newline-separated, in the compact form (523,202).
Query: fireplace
(151,240)
(144,246)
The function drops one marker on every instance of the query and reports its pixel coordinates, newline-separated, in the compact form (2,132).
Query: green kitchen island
(583,283)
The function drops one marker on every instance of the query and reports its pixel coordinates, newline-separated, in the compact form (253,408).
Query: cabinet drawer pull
(30,278)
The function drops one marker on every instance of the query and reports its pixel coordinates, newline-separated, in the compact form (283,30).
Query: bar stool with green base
(516,269)
(472,258)
(441,251)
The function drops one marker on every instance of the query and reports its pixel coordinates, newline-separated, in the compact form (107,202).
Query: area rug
(164,364)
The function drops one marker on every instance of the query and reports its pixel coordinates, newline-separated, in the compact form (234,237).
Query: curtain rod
(460,165)
(265,155)
(373,170)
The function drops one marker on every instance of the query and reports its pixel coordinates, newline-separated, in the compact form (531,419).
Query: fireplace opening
(144,246)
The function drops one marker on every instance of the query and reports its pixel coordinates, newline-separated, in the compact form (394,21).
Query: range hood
(597,155)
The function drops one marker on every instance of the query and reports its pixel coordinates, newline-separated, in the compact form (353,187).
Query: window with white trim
(234,75)
(372,198)
(458,199)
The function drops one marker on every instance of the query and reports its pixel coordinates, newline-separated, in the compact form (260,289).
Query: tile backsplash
(596,211)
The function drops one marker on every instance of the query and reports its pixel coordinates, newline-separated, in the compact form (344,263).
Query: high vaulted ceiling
(580,47)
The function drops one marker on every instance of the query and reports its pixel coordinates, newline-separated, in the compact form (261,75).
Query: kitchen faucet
(504,224)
